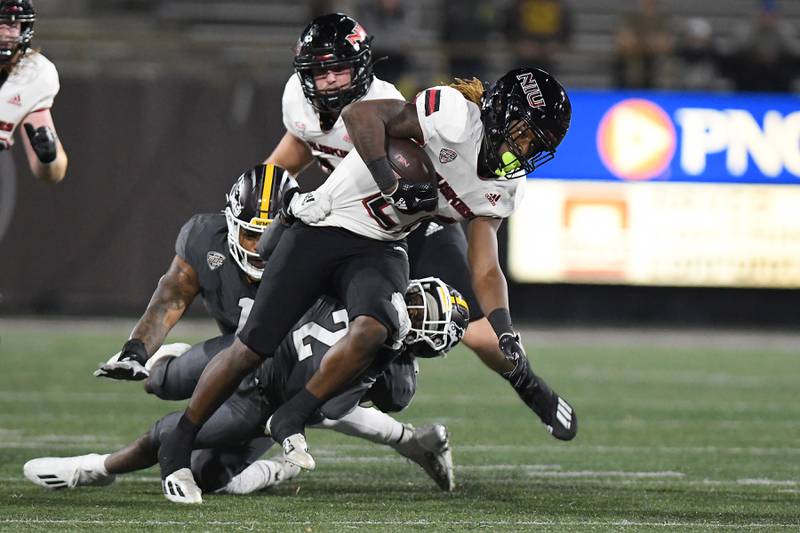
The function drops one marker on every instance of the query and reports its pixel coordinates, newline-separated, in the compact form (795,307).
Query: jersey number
(246,304)
(376,206)
(301,335)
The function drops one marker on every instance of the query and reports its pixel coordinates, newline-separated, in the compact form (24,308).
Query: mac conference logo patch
(447,155)
(215,260)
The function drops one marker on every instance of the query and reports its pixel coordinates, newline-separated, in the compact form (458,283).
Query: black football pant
(308,262)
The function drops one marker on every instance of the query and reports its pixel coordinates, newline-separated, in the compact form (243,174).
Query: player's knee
(367,333)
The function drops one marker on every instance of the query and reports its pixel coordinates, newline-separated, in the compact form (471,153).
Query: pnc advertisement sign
(680,137)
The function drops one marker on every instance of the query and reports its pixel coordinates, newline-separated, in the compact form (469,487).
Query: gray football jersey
(301,352)
(227,293)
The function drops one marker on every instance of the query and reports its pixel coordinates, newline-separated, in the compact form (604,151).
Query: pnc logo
(636,140)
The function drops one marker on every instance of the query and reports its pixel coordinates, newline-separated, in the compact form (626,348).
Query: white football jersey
(302,121)
(32,86)
(453,133)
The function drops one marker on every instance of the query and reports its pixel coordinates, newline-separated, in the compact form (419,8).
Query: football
(409,161)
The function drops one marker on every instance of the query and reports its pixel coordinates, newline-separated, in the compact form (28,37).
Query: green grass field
(676,439)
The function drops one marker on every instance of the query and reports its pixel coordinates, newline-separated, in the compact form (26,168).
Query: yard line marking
(582,449)
(421,522)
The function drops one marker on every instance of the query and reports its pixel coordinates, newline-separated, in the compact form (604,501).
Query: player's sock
(95,463)
(175,451)
(291,417)
(372,425)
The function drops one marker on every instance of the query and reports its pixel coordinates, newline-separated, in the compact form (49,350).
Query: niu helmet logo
(493,197)
(357,36)
(531,89)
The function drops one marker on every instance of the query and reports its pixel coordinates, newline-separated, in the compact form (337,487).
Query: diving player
(28,86)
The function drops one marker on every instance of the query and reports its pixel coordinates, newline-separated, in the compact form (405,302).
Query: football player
(28,86)
(215,258)
(333,68)
(348,241)
(226,450)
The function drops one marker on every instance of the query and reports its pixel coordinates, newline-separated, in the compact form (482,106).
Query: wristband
(500,319)
(383,174)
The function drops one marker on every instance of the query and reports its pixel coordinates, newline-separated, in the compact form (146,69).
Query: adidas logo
(493,197)
(432,228)
(564,413)
(15,100)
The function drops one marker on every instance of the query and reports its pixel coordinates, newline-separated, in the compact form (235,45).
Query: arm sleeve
(442,112)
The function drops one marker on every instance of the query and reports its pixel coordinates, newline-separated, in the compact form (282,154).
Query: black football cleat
(556,414)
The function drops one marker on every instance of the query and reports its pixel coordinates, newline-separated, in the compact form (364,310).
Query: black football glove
(410,197)
(127,364)
(43,141)
(511,346)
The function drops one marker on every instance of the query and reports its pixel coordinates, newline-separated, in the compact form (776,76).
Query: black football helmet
(439,317)
(251,205)
(527,104)
(329,42)
(13,11)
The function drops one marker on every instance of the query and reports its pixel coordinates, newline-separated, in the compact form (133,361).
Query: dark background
(145,156)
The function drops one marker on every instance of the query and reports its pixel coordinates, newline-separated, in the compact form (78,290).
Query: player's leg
(92,469)
(371,281)
(428,446)
(293,279)
(441,251)
(174,378)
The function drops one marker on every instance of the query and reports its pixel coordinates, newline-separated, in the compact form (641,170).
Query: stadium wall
(145,156)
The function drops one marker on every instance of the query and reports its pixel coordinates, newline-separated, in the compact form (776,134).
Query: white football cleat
(295,451)
(180,487)
(68,472)
(176,349)
(429,447)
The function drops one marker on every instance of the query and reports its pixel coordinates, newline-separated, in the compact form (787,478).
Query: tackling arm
(176,290)
(46,156)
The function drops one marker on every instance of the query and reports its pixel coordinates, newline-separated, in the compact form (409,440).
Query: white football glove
(310,207)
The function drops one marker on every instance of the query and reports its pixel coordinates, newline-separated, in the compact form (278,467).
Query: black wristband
(136,346)
(383,174)
(500,319)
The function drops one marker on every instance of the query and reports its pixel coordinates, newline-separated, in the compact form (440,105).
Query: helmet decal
(333,42)
(531,89)
(252,204)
